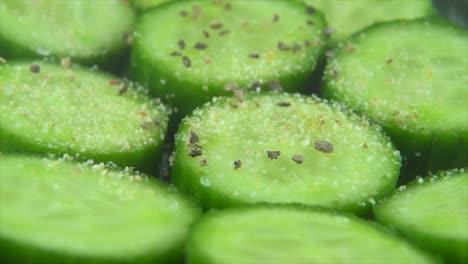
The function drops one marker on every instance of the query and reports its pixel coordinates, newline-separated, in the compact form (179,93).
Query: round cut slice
(87,31)
(283,148)
(49,109)
(54,211)
(209,47)
(418,93)
(433,212)
(290,234)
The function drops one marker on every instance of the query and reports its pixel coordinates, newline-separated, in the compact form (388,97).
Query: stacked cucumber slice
(418,93)
(210,44)
(283,148)
(291,234)
(51,109)
(433,212)
(54,211)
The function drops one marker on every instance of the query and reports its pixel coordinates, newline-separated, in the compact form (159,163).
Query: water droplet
(205,181)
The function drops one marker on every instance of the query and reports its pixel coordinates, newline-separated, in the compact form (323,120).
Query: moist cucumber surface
(418,93)
(209,44)
(54,211)
(348,16)
(432,211)
(143,5)
(86,30)
(292,234)
(282,148)
(79,112)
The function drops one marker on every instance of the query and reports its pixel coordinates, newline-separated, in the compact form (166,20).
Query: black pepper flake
(183,13)
(329,54)
(275,86)
(200,45)
(239,94)
(390,60)
(275,18)
(193,137)
(123,88)
(147,125)
(128,38)
(306,43)
(227,7)
(237,164)
(195,152)
(157,121)
(204,162)
(254,55)
(181,44)
(273,154)
(175,53)
(328,31)
(284,104)
(231,86)
(224,32)
(310,22)
(323,146)
(299,159)
(256,86)
(283,46)
(35,68)
(310,10)
(364,146)
(196,10)
(206,34)
(333,73)
(296,47)
(216,25)
(186,61)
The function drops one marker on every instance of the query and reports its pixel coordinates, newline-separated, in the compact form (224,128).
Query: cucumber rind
(454,246)
(197,179)
(201,242)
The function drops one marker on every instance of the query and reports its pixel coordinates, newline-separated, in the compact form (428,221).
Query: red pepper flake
(35,68)
(200,45)
(237,164)
(273,154)
(186,61)
(299,159)
(181,44)
(275,18)
(283,46)
(224,32)
(323,146)
(113,82)
(254,55)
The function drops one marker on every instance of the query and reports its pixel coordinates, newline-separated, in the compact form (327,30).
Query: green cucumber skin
(195,255)
(428,152)
(452,250)
(149,73)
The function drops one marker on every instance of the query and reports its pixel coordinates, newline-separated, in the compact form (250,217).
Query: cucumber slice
(292,234)
(211,45)
(347,17)
(53,211)
(45,108)
(432,212)
(283,148)
(85,30)
(418,93)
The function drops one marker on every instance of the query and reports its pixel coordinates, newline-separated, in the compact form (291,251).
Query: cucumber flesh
(55,211)
(283,148)
(87,31)
(364,13)
(432,211)
(289,234)
(418,93)
(144,5)
(210,44)
(46,108)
